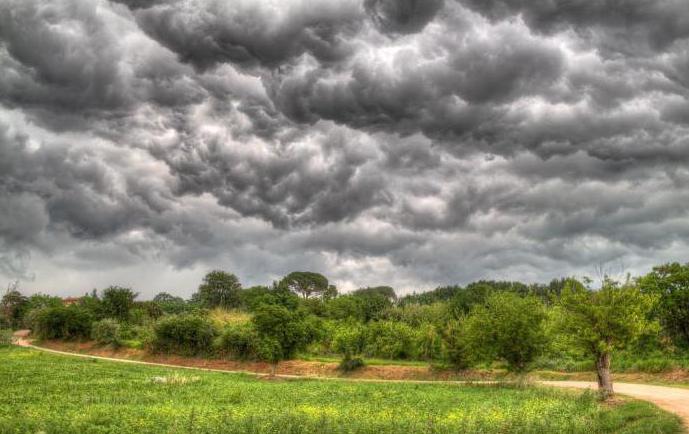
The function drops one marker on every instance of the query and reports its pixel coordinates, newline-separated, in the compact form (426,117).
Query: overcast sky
(405,142)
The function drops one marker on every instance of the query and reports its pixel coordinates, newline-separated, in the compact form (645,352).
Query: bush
(5,338)
(238,342)
(116,302)
(389,340)
(349,339)
(428,342)
(507,327)
(183,334)
(107,332)
(349,364)
(61,322)
(454,345)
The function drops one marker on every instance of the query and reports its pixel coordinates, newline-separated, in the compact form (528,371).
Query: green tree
(220,289)
(466,298)
(169,303)
(375,300)
(670,282)
(307,284)
(116,302)
(281,333)
(14,306)
(454,345)
(600,322)
(346,307)
(507,327)
(348,340)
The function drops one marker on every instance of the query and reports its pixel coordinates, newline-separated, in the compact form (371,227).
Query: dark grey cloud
(402,16)
(378,141)
(249,33)
(616,24)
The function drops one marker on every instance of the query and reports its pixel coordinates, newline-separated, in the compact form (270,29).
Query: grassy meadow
(56,394)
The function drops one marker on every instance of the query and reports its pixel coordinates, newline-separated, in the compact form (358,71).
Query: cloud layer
(404,142)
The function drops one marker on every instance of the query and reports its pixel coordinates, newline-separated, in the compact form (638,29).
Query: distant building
(68,301)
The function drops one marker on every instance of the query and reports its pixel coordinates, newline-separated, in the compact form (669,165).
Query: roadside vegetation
(56,394)
(570,325)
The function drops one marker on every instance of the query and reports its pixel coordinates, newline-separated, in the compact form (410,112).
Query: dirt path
(672,399)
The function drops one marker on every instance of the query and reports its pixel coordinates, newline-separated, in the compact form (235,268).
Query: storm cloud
(403,142)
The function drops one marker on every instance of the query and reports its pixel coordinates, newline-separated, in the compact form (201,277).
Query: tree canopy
(219,289)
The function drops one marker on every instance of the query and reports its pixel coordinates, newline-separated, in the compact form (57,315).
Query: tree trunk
(273,369)
(604,378)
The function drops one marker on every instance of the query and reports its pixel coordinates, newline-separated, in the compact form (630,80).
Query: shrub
(653,365)
(183,334)
(428,343)
(389,340)
(137,335)
(116,302)
(107,332)
(238,342)
(4,321)
(455,346)
(507,327)
(61,322)
(282,333)
(349,364)
(349,340)
(5,338)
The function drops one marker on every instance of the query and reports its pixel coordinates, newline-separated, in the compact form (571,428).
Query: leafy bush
(417,315)
(116,302)
(282,333)
(170,304)
(349,364)
(4,321)
(5,337)
(389,340)
(454,344)
(507,327)
(62,322)
(349,340)
(183,334)
(238,342)
(107,332)
(428,342)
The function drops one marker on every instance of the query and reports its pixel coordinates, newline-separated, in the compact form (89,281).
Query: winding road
(672,399)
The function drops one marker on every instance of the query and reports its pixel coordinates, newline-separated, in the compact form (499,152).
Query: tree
(346,307)
(220,289)
(116,302)
(375,300)
(454,345)
(307,284)
(281,333)
(670,283)
(349,339)
(169,303)
(14,306)
(508,327)
(465,299)
(600,322)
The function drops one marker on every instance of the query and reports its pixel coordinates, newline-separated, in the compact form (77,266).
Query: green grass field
(55,394)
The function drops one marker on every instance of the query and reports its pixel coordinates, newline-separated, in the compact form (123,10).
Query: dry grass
(222,317)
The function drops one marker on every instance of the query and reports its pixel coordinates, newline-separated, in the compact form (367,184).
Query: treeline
(563,324)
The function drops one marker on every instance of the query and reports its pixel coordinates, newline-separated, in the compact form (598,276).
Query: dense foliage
(184,334)
(72,322)
(566,324)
